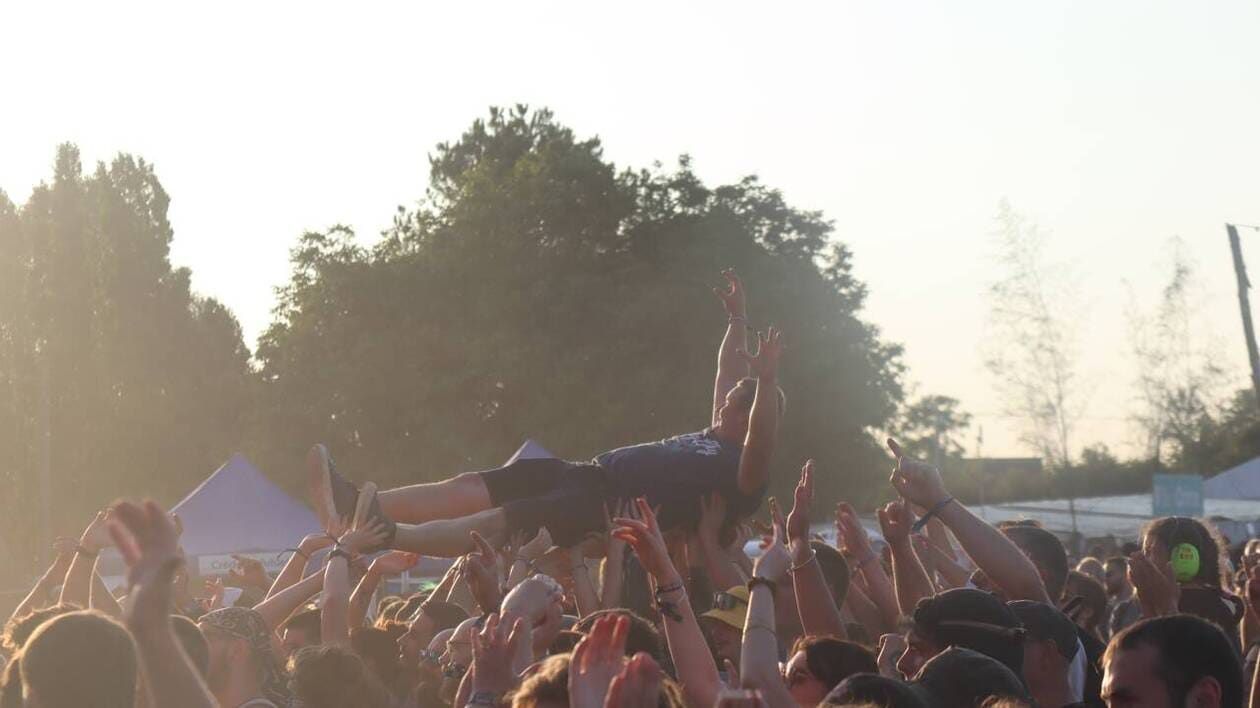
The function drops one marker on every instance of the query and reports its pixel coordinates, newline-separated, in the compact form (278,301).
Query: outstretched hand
(896,522)
(637,686)
(149,544)
(850,532)
(97,536)
(357,540)
(917,482)
(765,362)
(798,518)
(774,561)
(493,650)
(732,294)
(395,563)
(1155,584)
(644,536)
(597,660)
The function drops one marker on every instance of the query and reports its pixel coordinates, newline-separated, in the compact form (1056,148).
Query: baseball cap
(735,610)
(962,677)
(1043,622)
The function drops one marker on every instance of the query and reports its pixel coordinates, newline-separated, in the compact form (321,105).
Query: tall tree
(1031,349)
(538,291)
(930,428)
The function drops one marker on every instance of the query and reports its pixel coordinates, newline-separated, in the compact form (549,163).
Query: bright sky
(1115,125)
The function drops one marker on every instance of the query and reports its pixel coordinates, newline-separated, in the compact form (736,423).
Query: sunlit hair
(549,685)
(832,659)
(332,677)
(19,629)
(80,659)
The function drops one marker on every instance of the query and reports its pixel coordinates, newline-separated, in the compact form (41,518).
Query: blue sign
(1177,495)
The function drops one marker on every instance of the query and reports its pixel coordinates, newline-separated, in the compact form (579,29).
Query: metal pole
(1244,304)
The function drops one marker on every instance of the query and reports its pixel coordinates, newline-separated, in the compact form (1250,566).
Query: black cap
(961,677)
(873,688)
(972,619)
(1043,622)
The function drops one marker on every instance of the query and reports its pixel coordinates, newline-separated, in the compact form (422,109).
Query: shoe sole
(321,486)
(364,504)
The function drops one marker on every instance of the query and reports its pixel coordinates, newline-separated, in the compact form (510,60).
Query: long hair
(1171,531)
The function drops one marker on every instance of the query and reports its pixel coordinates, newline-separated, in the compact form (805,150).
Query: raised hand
(851,534)
(637,686)
(741,698)
(248,572)
(896,521)
(395,563)
(315,542)
(481,572)
(712,516)
(891,647)
(798,519)
(917,482)
(646,540)
(597,660)
(765,362)
(540,544)
(493,650)
(732,294)
(149,544)
(356,540)
(97,536)
(774,561)
(1155,584)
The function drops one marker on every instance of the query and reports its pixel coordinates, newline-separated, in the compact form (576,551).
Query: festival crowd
(628,581)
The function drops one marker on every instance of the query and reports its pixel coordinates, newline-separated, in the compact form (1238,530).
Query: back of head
(80,659)
(19,629)
(834,568)
(1172,531)
(1046,552)
(1093,596)
(1189,649)
(832,660)
(972,619)
(549,686)
(193,642)
(445,615)
(961,677)
(410,606)
(874,690)
(379,650)
(333,677)
(643,636)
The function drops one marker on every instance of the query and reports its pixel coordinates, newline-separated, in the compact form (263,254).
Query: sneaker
(367,510)
(332,495)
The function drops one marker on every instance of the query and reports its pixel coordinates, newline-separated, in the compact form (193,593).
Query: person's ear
(1205,693)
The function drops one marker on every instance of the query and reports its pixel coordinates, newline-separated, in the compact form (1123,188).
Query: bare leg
(454,498)
(448,538)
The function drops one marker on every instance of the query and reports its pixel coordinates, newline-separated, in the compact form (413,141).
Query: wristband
(81,550)
(300,552)
(339,552)
(813,556)
(754,582)
(483,698)
(923,521)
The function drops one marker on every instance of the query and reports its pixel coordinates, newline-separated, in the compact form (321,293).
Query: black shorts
(566,497)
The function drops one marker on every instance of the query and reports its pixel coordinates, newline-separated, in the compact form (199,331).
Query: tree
(1179,372)
(538,291)
(1031,351)
(931,427)
(144,384)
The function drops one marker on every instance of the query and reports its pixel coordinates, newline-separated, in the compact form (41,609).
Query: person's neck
(1054,696)
(1125,593)
(241,686)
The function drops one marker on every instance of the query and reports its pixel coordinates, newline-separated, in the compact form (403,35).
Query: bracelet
(339,552)
(813,556)
(79,549)
(754,582)
(923,521)
(300,552)
(668,589)
(483,698)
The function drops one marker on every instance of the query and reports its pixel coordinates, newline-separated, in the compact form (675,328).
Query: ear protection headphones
(1184,556)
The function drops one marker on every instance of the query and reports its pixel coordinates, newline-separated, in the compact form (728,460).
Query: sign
(221,564)
(1177,495)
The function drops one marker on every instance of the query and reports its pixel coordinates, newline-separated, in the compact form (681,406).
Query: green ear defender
(1185,561)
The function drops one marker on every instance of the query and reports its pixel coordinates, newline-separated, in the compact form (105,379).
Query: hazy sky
(1114,125)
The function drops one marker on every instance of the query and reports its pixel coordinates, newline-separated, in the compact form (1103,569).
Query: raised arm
(1000,559)
(721,569)
(292,570)
(101,599)
(759,655)
(853,539)
(696,671)
(334,625)
(910,580)
(387,565)
(731,366)
(37,598)
(763,419)
(77,588)
(147,540)
(814,602)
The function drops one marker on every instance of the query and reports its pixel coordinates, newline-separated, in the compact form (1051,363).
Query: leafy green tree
(135,384)
(931,428)
(537,291)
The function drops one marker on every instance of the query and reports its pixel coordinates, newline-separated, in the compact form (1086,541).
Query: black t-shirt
(676,472)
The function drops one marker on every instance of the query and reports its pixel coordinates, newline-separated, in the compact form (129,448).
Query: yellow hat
(735,616)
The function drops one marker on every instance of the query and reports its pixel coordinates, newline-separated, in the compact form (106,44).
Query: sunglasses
(726,601)
(454,671)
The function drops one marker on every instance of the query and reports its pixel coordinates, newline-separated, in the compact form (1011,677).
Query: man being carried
(731,457)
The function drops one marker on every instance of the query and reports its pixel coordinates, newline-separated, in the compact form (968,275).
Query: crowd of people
(628,581)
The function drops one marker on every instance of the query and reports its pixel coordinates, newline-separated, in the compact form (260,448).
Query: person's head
(1092,567)
(435,617)
(1163,535)
(547,686)
(241,653)
(387,608)
(963,617)
(723,625)
(862,690)
(1251,555)
(732,417)
(1171,662)
(642,636)
(330,676)
(193,642)
(410,607)
(1092,608)
(1117,575)
(818,664)
(301,630)
(379,651)
(457,654)
(18,629)
(961,677)
(1050,645)
(1046,552)
(79,659)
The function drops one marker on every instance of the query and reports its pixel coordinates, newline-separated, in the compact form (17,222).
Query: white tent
(530,450)
(1241,482)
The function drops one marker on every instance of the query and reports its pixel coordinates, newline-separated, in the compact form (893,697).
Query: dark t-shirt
(676,472)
